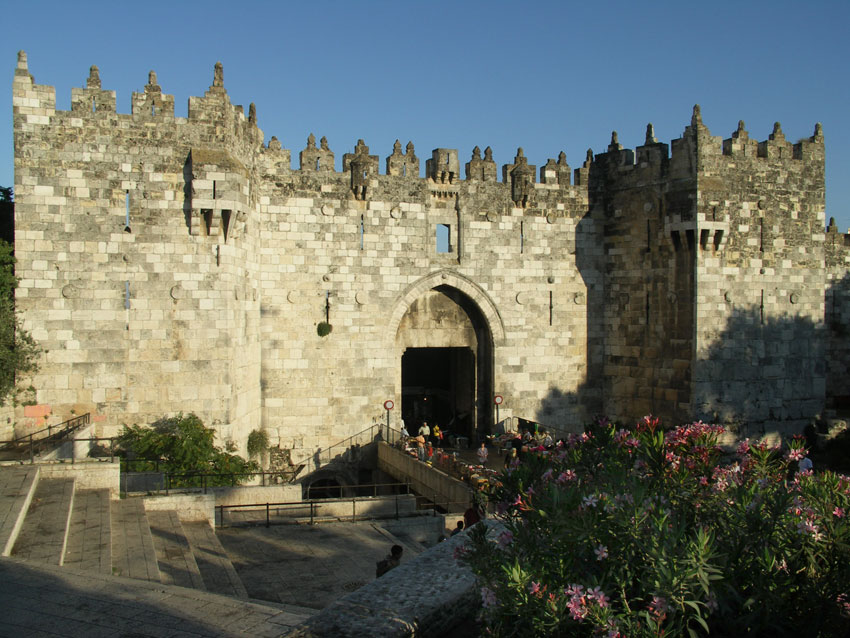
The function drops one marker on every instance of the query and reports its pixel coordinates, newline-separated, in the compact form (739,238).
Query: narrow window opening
(444,238)
(551,308)
(318,163)
(225,223)
(718,239)
(126,211)
(93,105)
(703,238)
(761,307)
(362,232)
(206,213)
(327,306)
(126,295)
(521,237)
(404,170)
(761,237)
(214,189)
(153,109)
(646,310)
(677,240)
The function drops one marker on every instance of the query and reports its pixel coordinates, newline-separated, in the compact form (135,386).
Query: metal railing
(311,509)
(375,432)
(56,436)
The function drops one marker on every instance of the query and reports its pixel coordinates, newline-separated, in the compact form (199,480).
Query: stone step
(177,565)
(17,486)
(44,533)
(133,553)
(90,535)
(217,571)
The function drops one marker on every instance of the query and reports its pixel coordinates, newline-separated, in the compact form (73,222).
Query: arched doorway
(445,347)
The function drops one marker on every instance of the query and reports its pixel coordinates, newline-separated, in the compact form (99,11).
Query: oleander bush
(641,532)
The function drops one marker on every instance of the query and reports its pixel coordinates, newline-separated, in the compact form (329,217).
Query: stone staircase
(48,521)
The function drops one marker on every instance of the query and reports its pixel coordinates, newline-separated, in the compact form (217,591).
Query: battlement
(213,109)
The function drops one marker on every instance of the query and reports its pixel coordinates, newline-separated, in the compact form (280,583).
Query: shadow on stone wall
(758,375)
(761,374)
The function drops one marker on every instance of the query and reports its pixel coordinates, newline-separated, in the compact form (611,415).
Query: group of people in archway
(517,443)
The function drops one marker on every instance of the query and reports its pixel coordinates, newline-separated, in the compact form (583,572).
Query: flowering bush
(644,533)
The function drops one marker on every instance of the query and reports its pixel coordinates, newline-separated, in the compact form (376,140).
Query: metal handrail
(367,435)
(59,430)
(314,504)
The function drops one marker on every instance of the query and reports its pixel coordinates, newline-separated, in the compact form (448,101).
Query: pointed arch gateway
(446,329)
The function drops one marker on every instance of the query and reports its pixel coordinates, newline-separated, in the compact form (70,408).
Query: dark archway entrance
(446,351)
(438,386)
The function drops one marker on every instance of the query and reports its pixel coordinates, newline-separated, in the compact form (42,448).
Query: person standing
(425,431)
(482,453)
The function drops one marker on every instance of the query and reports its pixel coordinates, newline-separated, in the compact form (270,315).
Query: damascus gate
(173,264)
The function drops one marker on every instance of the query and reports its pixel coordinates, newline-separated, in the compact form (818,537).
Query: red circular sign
(388,405)
(498,399)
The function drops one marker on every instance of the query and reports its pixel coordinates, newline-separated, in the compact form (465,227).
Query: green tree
(184,446)
(19,353)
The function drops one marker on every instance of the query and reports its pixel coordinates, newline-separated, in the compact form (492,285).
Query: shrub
(640,533)
(182,445)
(258,442)
(324,329)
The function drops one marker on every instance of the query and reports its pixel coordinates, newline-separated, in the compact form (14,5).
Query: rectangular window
(444,238)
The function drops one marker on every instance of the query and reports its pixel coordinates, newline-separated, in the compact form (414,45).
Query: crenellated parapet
(153,101)
(92,98)
(481,170)
(403,164)
(363,168)
(316,159)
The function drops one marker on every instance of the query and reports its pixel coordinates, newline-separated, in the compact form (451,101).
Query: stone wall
(181,264)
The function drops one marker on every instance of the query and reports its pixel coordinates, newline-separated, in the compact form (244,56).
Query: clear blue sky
(544,75)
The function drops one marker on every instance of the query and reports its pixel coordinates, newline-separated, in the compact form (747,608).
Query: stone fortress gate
(175,264)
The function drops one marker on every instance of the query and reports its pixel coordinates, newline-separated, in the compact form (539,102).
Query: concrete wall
(191,507)
(87,474)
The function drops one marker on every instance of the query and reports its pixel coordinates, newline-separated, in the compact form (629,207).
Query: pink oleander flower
(703,480)
(590,501)
(838,512)
(808,527)
(744,447)
(488,597)
(577,608)
(658,607)
(566,476)
(534,588)
(601,552)
(547,475)
(795,455)
(599,596)
(574,591)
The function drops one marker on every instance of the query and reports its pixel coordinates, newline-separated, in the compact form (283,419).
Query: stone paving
(43,533)
(89,535)
(15,495)
(308,566)
(41,601)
